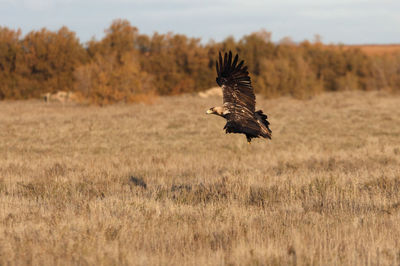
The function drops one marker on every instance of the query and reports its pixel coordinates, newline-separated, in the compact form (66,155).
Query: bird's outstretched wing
(238,94)
(235,83)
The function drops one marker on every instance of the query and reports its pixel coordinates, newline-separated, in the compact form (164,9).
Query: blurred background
(129,51)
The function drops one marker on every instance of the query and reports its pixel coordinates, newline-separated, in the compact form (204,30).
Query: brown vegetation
(377,49)
(126,66)
(140,185)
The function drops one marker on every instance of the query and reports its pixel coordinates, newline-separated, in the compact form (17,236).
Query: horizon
(202,41)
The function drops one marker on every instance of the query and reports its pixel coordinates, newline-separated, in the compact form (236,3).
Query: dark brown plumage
(239,100)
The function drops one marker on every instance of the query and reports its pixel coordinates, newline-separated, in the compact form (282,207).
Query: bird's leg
(248,140)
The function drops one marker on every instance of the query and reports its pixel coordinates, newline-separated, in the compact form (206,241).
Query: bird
(239,100)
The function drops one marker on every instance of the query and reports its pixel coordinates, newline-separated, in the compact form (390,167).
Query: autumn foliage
(128,66)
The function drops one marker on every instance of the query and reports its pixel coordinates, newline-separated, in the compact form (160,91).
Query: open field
(325,190)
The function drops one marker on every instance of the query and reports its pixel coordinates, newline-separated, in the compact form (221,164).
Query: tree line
(128,66)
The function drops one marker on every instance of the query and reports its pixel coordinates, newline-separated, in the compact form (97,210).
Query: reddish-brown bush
(128,66)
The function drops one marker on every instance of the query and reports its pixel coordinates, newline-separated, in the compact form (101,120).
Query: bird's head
(215,111)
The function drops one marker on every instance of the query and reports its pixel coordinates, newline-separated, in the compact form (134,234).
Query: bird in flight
(239,100)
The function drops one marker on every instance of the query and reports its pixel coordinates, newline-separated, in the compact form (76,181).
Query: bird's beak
(209,111)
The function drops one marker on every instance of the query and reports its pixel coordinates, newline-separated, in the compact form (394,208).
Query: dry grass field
(163,185)
(377,49)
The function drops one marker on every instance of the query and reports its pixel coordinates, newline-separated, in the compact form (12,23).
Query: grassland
(162,184)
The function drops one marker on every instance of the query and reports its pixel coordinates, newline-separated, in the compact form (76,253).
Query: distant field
(162,184)
(378,49)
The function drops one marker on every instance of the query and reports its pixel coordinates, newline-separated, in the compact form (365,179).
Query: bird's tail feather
(262,118)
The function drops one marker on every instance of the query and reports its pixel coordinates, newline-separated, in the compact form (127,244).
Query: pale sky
(337,21)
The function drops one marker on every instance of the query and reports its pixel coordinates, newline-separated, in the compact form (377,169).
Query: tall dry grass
(162,184)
